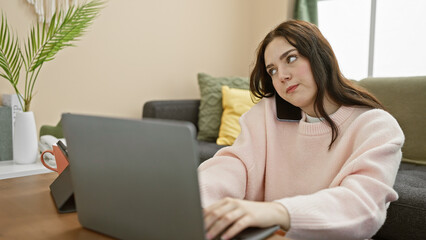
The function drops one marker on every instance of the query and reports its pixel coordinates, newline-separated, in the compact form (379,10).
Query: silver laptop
(137,179)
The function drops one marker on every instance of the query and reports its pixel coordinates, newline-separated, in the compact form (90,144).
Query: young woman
(328,175)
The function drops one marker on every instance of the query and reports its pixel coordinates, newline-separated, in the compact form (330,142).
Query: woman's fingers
(231,216)
(216,211)
(224,222)
(238,226)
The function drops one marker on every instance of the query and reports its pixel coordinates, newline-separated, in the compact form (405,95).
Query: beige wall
(139,50)
(264,16)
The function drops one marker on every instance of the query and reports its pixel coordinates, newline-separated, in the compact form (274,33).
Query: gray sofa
(184,110)
(405,99)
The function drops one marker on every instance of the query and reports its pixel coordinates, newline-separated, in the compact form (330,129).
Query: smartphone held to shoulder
(287,112)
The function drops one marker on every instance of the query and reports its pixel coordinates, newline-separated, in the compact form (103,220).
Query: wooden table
(27,211)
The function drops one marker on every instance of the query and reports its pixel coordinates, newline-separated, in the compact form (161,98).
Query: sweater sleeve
(226,174)
(354,207)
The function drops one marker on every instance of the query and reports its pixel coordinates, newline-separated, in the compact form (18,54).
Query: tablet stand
(62,192)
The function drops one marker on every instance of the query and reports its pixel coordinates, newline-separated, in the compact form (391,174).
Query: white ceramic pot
(25,148)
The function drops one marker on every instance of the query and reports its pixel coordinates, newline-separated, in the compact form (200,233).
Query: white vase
(25,148)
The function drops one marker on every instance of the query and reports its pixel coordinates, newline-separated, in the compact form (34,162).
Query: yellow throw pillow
(235,102)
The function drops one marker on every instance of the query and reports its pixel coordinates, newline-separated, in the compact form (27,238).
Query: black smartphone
(286,111)
(63,148)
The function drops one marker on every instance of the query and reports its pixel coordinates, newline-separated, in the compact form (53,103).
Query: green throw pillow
(211,103)
(55,131)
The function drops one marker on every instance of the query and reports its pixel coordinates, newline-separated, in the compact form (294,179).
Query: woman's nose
(284,75)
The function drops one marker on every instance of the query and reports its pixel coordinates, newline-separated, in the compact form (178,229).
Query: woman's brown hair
(310,43)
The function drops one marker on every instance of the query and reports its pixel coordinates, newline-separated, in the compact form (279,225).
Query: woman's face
(291,74)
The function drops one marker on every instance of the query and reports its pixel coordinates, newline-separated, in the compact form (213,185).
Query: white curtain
(46,8)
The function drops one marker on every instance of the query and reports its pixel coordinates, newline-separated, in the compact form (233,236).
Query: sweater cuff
(302,216)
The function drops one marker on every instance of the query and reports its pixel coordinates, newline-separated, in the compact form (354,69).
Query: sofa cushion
(55,131)
(183,110)
(211,103)
(405,99)
(235,102)
(408,213)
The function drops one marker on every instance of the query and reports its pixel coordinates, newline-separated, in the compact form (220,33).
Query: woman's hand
(236,215)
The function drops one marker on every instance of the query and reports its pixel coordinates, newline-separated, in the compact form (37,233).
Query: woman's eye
(272,72)
(291,59)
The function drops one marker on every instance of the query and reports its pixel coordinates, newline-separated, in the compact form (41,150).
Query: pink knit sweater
(342,193)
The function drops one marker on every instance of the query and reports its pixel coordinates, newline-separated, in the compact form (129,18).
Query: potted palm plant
(43,43)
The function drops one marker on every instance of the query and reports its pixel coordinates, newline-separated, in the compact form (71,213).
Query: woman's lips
(292,88)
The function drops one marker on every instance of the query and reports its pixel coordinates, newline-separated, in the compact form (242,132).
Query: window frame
(371,39)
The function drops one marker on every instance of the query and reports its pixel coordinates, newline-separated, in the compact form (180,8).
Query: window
(380,38)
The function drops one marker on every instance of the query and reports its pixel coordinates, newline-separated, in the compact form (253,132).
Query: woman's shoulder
(369,122)
(365,114)
(263,105)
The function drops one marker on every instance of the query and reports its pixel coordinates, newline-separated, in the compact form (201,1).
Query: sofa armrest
(184,110)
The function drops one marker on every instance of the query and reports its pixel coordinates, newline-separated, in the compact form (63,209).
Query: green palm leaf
(43,44)
(10,59)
